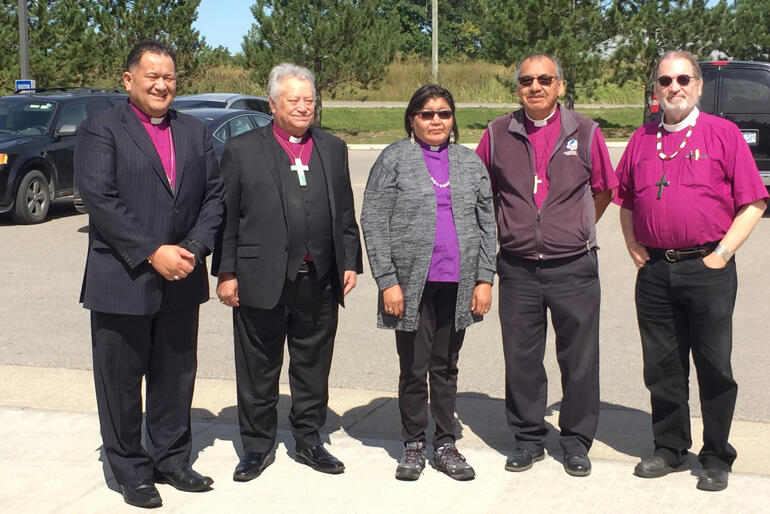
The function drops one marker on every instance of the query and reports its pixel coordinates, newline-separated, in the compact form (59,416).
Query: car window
(98,105)
(72,113)
(196,104)
(744,90)
(240,125)
(260,121)
(708,99)
(238,104)
(258,105)
(26,118)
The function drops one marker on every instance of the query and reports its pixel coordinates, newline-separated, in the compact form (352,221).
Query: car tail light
(719,63)
(654,107)
(3,158)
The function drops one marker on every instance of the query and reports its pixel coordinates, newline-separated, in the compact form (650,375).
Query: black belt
(682,254)
(305,267)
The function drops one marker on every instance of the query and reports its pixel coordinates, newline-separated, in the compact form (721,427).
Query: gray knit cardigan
(398,219)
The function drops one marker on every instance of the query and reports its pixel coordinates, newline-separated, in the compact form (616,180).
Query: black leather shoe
(712,480)
(319,459)
(578,465)
(522,459)
(141,494)
(655,467)
(184,479)
(251,466)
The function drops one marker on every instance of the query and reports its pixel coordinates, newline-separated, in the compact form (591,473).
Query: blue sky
(224,22)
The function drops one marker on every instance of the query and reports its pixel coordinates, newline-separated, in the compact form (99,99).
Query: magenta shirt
(542,140)
(709,180)
(294,149)
(445,262)
(162,140)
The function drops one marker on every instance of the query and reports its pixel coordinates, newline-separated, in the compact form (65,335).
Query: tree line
(351,42)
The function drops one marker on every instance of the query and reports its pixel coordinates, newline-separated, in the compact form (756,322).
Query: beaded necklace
(659,142)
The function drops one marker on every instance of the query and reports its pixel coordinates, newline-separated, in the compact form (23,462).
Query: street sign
(24,85)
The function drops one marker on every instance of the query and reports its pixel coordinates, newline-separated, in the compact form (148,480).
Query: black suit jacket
(255,239)
(132,210)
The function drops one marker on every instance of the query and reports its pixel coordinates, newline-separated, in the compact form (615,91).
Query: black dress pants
(431,351)
(569,288)
(305,317)
(685,307)
(162,348)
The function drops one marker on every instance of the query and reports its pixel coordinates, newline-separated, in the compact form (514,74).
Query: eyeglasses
(682,80)
(543,80)
(428,115)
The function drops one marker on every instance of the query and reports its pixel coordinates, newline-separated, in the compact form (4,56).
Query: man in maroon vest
(552,179)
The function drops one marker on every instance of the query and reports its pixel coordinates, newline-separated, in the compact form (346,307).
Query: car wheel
(32,199)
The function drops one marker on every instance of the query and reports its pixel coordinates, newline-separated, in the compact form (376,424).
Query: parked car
(226,123)
(37,141)
(223,124)
(740,92)
(223,101)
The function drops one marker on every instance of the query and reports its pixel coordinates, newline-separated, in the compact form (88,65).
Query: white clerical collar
(544,121)
(295,140)
(157,121)
(686,122)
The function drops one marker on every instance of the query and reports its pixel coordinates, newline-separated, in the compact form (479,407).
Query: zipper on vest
(539,238)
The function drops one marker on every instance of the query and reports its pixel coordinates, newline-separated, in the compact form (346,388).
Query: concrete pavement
(50,459)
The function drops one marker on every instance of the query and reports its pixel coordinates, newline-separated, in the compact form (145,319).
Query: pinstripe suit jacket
(133,210)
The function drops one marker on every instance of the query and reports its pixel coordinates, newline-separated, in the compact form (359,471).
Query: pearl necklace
(437,184)
(659,142)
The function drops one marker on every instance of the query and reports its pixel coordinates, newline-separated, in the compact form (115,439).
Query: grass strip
(384,125)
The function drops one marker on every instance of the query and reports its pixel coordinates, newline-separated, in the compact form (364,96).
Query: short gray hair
(680,54)
(284,71)
(539,56)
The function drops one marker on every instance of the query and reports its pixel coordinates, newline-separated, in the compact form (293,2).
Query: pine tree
(570,30)
(340,41)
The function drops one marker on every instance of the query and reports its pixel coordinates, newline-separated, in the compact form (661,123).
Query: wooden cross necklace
(297,167)
(659,147)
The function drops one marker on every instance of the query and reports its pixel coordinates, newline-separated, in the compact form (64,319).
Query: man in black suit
(148,178)
(290,253)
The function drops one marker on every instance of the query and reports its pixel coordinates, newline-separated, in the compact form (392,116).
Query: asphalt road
(43,325)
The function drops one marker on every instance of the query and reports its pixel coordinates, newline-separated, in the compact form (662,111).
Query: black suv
(740,92)
(37,140)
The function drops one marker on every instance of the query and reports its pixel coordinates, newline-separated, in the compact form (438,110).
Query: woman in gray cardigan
(429,228)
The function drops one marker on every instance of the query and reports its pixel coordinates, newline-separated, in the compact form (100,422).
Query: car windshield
(25,118)
(197,104)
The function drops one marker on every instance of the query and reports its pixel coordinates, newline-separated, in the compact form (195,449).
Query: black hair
(156,47)
(422,95)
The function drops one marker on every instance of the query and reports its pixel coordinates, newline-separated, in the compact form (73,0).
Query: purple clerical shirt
(160,135)
(704,185)
(445,262)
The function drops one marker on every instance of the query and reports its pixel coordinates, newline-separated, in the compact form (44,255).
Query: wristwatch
(723,252)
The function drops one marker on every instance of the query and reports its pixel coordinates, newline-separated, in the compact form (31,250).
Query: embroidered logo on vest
(572,146)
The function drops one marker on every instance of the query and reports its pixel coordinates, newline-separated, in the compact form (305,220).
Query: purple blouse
(445,262)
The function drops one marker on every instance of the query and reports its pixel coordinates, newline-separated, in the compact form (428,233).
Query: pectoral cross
(300,169)
(537,181)
(663,182)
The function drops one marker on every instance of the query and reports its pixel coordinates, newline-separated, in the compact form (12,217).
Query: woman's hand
(482,298)
(393,299)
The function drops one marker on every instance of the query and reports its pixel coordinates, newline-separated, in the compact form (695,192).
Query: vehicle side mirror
(68,129)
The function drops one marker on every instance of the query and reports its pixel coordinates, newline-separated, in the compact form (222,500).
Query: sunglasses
(543,80)
(428,115)
(682,80)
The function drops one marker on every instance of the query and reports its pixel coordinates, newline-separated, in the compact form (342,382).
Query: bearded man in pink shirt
(690,194)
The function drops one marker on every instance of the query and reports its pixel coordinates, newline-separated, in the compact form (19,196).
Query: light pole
(23,40)
(434,31)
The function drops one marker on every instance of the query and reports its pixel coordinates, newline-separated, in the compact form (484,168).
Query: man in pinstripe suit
(149,180)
